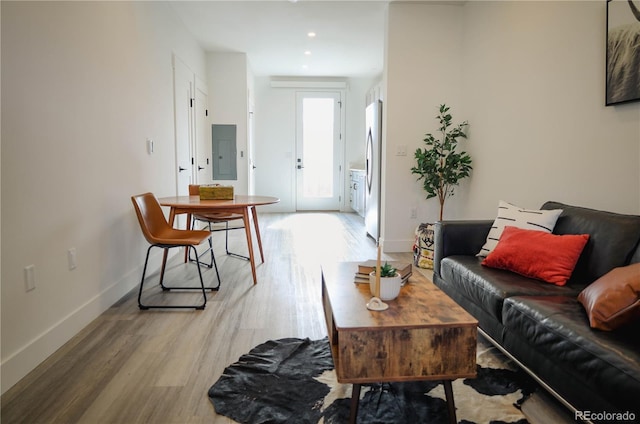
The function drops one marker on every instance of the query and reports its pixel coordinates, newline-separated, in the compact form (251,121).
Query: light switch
(72,259)
(30,277)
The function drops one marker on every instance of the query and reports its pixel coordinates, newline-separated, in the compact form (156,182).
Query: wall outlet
(414,212)
(30,277)
(71,259)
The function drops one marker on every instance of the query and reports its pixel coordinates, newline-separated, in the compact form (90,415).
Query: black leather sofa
(543,326)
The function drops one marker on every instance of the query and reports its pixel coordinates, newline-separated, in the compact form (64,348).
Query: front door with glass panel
(318,152)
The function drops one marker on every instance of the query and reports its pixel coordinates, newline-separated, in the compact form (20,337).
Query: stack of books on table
(365,268)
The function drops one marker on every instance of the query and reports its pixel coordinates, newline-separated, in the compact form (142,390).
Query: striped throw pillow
(515,216)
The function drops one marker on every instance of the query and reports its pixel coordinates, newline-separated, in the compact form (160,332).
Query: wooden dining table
(244,205)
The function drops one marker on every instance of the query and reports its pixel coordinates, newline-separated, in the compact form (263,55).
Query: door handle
(253,167)
(180,169)
(200,168)
(300,166)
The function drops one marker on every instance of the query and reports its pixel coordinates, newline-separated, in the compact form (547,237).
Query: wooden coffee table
(424,335)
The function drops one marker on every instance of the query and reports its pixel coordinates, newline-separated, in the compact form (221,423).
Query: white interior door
(251,151)
(203,171)
(318,150)
(183,87)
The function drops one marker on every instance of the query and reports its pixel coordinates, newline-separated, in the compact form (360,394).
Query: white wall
(275,137)
(529,78)
(422,70)
(228,97)
(84,84)
(534,95)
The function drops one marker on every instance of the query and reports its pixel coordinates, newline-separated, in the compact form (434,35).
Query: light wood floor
(132,366)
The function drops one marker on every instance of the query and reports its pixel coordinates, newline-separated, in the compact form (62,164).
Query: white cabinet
(356,190)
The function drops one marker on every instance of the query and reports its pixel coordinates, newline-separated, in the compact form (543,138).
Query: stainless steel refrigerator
(373,125)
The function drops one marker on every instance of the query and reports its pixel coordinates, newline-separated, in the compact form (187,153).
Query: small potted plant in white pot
(390,282)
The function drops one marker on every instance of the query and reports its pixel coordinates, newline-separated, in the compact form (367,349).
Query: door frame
(202,168)
(340,152)
(251,163)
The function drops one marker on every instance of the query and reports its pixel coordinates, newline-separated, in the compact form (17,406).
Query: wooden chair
(159,233)
(217,217)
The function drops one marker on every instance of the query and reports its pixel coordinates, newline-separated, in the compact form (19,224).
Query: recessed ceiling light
(307,52)
(311,34)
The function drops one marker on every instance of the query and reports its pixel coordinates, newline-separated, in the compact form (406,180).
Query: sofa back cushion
(635,258)
(613,239)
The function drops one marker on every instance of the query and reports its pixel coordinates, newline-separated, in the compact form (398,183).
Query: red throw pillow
(537,254)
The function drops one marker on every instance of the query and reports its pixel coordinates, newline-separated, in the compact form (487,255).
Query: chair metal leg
(204,293)
(226,230)
(144,271)
(165,255)
(212,261)
(201,287)
(226,243)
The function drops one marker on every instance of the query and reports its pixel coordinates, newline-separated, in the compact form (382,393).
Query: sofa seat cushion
(558,327)
(488,287)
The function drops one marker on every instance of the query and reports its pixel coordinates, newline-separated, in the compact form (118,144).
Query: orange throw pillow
(537,254)
(613,299)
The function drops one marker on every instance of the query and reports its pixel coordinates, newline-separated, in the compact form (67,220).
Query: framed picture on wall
(623,51)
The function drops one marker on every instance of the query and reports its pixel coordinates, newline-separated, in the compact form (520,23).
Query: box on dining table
(216,192)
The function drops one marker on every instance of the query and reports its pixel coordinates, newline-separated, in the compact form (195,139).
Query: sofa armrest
(458,238)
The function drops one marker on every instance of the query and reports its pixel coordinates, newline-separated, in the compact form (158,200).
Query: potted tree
(439,165)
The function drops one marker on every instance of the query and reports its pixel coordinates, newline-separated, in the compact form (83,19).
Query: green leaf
(387,270)
(439,166)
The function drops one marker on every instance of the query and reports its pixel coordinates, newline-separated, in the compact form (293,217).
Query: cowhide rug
(293,381)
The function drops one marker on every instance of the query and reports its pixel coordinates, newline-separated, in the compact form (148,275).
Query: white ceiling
(349,34)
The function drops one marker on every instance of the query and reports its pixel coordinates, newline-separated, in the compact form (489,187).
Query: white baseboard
(397,246)
(25,360)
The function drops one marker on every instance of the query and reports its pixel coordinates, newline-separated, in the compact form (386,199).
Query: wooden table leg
(172,216)
(451,406)
(247,230)
(355,401)
(257,228)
